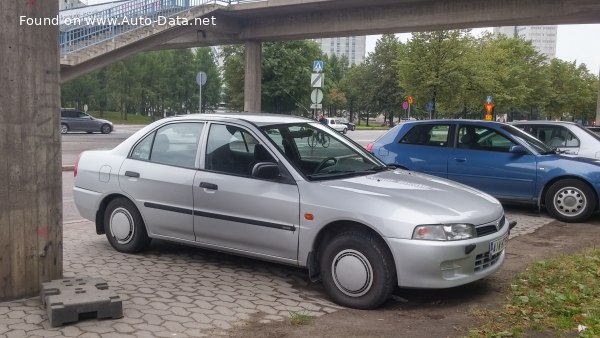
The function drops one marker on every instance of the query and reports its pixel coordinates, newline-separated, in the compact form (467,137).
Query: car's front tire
(344,131)
(64,128)
(570,200)
(105,129)
(124,226)
(357,270)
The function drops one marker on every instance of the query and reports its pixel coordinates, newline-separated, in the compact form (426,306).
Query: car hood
(418,198)
(103,121)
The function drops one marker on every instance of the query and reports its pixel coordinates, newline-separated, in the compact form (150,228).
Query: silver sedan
(293,191)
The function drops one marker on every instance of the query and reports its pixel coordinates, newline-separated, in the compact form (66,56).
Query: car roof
(452,121)
(258,119)
(544,122)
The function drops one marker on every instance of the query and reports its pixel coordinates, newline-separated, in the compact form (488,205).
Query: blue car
(496,158)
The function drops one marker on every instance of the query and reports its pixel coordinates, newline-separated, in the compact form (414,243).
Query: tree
(205,60)
(431,65)
(233,76)
(382,65)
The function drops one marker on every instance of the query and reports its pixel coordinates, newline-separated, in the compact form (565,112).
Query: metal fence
(91,28)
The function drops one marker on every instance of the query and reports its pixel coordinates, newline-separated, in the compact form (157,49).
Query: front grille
(484,261)
(486,229)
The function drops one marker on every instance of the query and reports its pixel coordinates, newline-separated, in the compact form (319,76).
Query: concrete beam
(598,103)
(253,77)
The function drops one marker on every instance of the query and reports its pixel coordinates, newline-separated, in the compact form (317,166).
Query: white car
(336,124)
(567,137)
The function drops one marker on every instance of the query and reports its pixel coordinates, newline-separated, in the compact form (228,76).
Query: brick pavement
(178,291)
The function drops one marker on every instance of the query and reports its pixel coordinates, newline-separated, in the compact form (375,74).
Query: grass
(300,319)
(558,297)
(370,127)
(115,117)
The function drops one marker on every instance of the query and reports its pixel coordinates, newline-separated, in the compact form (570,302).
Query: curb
(68,167)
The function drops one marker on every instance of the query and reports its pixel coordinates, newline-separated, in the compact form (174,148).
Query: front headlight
(444,232)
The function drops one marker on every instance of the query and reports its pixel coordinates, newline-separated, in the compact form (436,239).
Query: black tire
(64,128)
(370,288)
(570,200)
(105,129)
(345,131)
(124,226)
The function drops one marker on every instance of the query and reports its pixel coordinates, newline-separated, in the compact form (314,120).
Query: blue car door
(482,159)
(423,148)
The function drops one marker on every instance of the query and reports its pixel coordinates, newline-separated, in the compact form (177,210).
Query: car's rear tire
(105,129)
(357,270)
(64,128)
(124,226)
(570,200)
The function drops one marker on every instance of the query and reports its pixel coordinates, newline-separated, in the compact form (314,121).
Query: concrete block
(69,300)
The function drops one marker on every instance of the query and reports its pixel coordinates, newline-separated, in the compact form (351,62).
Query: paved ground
(173,290)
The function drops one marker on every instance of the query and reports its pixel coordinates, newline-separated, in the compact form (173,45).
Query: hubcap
(352,273)
(570,201)
(63,129)
(122,226)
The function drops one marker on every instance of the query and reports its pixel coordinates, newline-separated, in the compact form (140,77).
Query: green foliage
(558,296)
(148,84)
(300,319)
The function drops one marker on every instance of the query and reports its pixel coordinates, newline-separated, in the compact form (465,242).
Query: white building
(543,38)
(353,47)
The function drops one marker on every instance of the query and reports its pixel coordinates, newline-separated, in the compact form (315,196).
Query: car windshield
(533,142)
(318,153)
(590,132)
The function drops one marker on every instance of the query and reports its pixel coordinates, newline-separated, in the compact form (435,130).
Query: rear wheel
(357,270)
(124,226)
(105,129)
(64,128)
(570,200)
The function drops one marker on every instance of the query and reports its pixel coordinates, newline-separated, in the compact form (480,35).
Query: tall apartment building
(66,4)
(353,47)
(543,38)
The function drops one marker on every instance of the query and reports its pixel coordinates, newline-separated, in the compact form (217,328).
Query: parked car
(350,125)
(335,124)
(594,129)
(75,120)
(567,137)
(499,159)
(250,185)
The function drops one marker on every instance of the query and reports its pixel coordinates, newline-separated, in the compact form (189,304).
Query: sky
(574,43)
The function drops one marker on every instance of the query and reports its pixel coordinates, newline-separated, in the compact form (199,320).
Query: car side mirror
(518,149)
(266,170)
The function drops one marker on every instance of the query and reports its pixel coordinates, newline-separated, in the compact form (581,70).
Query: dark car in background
(350,125)
(496,158)
(594,129)
(76,120)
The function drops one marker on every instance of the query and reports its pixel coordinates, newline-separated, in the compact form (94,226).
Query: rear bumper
(87,202)
(436,264)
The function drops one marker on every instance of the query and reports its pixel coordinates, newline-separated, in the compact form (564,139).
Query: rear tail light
(76,165)
(370,147)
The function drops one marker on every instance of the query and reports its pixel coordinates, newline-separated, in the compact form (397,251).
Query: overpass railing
(83,31)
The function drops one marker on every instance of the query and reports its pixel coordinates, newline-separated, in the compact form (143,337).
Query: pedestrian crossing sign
(318,66)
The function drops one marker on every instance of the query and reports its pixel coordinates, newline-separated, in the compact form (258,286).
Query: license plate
(498,245)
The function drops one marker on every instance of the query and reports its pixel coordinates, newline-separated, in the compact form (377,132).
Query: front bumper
(445,264)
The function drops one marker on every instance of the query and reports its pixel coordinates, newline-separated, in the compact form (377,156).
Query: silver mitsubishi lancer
(293,191)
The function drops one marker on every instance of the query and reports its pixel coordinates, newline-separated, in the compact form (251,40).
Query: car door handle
(209,186)
(132,174)
(459,159)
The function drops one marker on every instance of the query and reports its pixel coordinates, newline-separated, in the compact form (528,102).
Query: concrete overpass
(276,20)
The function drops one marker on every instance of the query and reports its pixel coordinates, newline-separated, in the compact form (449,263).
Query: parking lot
(173,290)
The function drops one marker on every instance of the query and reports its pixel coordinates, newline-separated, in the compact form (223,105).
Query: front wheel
(570,201)
(357,270)
(345,131)
(124,226)
(64,128)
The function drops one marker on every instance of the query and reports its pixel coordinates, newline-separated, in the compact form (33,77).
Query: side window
(481,138)
(428,135)
(81,115)
(562,138)
(233,150)
(174,144)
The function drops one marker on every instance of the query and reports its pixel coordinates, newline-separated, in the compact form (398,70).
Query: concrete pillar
(30,150)
(253,77)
